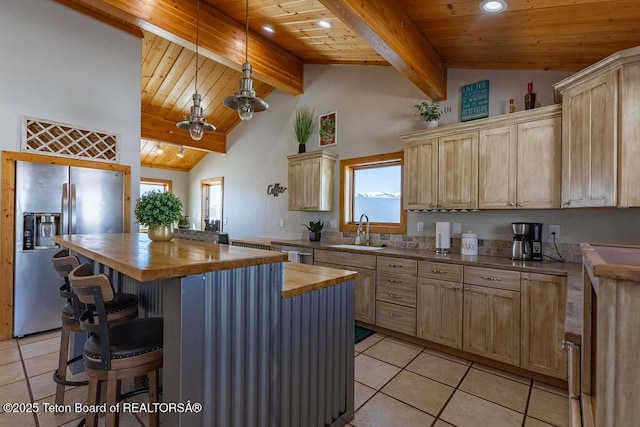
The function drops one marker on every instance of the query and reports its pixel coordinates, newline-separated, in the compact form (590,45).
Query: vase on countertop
(314,236)
(161,233)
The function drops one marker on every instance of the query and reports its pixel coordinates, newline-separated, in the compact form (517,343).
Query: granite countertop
(573,271)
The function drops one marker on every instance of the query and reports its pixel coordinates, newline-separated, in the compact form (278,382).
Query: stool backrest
(82,277)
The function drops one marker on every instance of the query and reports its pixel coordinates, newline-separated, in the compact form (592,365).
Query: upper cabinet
(311,178)
(503,162)
(601,133)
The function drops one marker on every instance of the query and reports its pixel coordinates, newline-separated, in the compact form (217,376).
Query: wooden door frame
(7,222)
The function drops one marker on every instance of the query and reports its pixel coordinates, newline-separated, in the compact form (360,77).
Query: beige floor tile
(466,410)
(373,372)
(405,343)
(549,407)
(73,423)
(40,348)
(52,419)
(425,394)
(8,344)
(9,355)
(551,389)
(497,389)
(43,385)
(362,393)
(17,419)
(502,373)
(11,373)
(16,392)
(392,352)
(441,423)
(41,364)
(384,411)
(532,422)
(39,337)
(437,368)
(368,342)
(448,356)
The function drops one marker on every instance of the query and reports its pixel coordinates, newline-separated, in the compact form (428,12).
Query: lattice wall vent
(65,140)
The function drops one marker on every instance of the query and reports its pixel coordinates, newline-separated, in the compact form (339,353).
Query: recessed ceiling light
(324,23)
(268,29)
(493,6)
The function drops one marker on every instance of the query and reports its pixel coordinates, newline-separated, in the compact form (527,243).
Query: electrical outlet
(457,228)
(281,222)
(554,229)
(333,223)
(421,226)
(224,221)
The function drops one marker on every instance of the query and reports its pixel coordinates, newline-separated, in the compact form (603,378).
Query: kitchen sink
(358,247)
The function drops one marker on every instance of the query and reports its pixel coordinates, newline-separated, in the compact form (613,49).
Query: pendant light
(196,124)
(245,100)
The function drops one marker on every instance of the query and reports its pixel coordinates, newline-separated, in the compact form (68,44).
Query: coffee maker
(527,241)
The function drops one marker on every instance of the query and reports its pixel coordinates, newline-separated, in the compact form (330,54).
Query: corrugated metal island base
(254,340)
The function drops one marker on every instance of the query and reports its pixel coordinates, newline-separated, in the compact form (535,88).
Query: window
(373,186)
(212,202)
(151,184)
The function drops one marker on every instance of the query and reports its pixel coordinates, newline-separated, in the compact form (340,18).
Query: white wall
(179,182)
(375,105)
(60,65)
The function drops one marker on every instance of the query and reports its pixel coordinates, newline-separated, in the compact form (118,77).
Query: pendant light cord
(197,41)
(246,36)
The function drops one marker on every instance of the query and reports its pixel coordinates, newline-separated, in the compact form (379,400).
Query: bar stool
(115,352)
(124,307)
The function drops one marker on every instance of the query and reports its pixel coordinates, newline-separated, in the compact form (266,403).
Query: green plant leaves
(158,208)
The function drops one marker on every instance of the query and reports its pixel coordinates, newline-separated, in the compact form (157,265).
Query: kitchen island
(254,340)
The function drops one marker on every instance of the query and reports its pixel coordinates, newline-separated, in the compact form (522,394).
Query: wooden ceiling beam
(159,129)
(220,38)
(391,32)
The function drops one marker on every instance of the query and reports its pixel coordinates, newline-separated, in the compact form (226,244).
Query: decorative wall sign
(275,189)
(328,129)
(475,101)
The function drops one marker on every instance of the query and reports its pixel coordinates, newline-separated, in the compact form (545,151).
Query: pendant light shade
(245,100)
(196,124)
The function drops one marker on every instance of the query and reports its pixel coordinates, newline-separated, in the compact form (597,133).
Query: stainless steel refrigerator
(54,199)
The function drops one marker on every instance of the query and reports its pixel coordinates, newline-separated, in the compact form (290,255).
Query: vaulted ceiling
(420,38)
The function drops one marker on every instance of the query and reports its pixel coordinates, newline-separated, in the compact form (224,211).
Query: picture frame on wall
(327,129)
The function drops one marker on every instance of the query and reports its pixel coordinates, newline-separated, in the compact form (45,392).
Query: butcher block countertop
(613,261)
(138,257)
(302,278)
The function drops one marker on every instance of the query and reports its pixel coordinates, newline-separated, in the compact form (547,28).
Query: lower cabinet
(543,314)
(396,317)
(396,294)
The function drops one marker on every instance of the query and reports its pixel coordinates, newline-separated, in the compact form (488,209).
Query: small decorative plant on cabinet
(314,230)
(430,112)
(304,126)
(159,211)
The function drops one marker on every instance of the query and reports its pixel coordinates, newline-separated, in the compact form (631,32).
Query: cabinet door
(539,163)
(304,185)
(421,175)
(497,168)
(543,314)
(589,147)
(439,312)
(491,325)
(296,176)
(458,171)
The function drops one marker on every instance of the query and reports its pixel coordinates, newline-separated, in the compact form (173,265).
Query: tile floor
(397,384)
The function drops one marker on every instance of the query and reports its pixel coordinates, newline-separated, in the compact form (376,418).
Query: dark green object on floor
(362,333)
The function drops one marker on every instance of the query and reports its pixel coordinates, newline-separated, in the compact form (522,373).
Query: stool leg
(91,419)
(113,395)
(154,417)
(62,364)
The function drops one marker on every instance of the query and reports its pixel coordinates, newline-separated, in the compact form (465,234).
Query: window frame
(167,183)
(204,203)
(347,168)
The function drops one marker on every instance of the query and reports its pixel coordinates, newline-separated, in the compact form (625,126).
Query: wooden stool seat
(115,352)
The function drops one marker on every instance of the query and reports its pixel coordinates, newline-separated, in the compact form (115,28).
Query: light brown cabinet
(491,325)
(520,164)
(421,175)
(601,133)
(311,181)
(396,294)
(365,284)
(543,314)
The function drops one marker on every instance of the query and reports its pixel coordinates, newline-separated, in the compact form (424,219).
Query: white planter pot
(432,124)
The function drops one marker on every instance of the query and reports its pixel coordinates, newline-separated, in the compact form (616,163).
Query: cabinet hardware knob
(393,314)
(511,204)
(438,271)
(395,265)
(394,281)
(493,279)
(519,205)
(394,296)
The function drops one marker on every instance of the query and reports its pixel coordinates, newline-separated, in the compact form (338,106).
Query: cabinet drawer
(345,258)
(396,317)
(397,265)
(396,295)
(440,271)
(492,278)
(397,281)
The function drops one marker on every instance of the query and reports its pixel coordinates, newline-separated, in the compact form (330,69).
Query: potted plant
(314,230)
(430,112)
(304,126)
(159,211)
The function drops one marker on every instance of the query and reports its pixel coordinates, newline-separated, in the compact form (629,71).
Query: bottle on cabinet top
(530,98)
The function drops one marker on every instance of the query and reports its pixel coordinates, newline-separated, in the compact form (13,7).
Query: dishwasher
(299,254)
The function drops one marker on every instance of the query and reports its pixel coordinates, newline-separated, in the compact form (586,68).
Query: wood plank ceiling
(420,38)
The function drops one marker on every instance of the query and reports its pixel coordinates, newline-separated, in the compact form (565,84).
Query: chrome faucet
(359,239)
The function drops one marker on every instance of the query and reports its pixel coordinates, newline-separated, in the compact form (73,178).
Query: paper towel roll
(443,235)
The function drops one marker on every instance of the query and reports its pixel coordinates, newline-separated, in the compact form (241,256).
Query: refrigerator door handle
(64,218)
(72,220)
